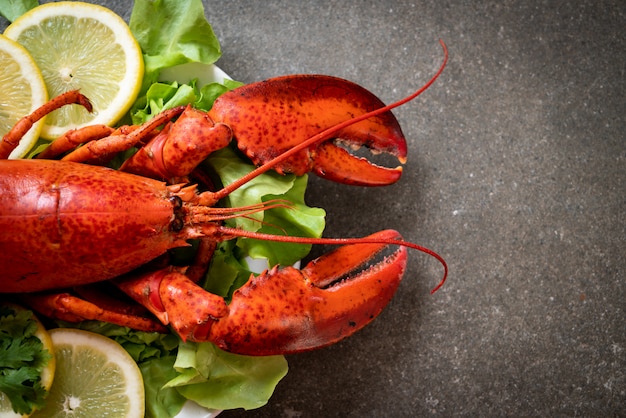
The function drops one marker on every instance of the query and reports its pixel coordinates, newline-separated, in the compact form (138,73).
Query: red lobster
(65,224)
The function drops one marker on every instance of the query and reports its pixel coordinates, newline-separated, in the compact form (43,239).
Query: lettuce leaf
(12,9)
(162,96)
(161,401)
(142,346)
(233,381)
(298,220)
(227,272)
(172,33)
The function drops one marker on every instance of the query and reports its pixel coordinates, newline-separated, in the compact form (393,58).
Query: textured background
(516,175)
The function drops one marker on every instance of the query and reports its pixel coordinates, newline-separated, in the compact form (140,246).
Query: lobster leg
(283,310)
(12,138)
(120,141)
(171,154)
(175,300)
(197,270)
(73,138)
(71,308)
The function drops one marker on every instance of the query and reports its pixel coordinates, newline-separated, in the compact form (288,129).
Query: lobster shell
(49,211)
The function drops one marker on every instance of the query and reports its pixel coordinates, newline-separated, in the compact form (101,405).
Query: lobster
(65,224)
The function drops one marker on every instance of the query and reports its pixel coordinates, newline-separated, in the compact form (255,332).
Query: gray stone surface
(516,175)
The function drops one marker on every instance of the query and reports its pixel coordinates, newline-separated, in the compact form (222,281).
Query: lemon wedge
(82,46)
(95,377)
(23,90)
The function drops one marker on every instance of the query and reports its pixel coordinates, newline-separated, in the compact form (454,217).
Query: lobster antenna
(12,138)
(324,135)
(235,232)
(228,232)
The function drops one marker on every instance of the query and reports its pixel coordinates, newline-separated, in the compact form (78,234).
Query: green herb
(22,359)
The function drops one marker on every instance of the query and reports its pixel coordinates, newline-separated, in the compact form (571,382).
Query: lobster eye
(177,224)
(176,201)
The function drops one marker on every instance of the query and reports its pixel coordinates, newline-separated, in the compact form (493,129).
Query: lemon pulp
(95,377)
(23,90)
(82,46)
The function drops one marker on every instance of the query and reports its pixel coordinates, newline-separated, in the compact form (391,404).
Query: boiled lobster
(64,224)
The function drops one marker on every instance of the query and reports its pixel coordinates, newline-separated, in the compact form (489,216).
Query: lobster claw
(179,147)
(287,310)
(272,116)
(283,310)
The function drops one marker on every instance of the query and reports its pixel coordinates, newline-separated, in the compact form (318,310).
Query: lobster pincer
(282,310)
(283,112)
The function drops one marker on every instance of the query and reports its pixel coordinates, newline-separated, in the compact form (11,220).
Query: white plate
(205,73)
(193,410)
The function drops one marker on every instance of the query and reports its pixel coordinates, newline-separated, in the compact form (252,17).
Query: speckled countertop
(516,175)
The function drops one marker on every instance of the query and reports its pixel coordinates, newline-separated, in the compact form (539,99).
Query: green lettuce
(161,96)
(161,401)
(142,346)
(234,381)
(297,220)
(12,9)
(229,268)
(172,33)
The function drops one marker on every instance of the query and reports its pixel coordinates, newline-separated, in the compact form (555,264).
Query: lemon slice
(82,46)
(94,377)
(47,373)
(23,90)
